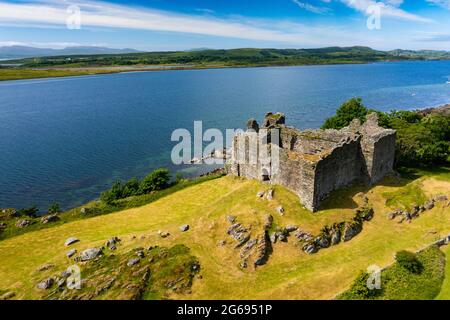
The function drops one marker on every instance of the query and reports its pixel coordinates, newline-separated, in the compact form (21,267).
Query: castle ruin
(313,163)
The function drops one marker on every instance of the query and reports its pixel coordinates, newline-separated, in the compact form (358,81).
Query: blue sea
(68,139)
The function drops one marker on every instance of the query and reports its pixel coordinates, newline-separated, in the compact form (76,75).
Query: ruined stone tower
(313,163)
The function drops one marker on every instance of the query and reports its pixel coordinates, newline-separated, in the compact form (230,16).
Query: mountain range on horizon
(20,52)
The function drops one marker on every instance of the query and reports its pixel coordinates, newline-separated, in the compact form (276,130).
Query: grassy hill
(289,272)
(198,59)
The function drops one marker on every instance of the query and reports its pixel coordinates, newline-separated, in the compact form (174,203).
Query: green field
(17,74)
(288,274)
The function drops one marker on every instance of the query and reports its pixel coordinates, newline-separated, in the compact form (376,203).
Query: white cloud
(261,32)
(100,14)
(441,3)
(311,8)
(389,8)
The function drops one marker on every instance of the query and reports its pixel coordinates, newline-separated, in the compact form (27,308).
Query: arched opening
(265,175)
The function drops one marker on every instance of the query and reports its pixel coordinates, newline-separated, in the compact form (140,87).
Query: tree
(54,208)
(131,188)
(113,194)
(348,111)
(157,180)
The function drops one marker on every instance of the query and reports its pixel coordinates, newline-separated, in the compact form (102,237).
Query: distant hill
(422,54)
(19,52)
(244,57)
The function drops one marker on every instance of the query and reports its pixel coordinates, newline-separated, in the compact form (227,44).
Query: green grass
(96,208)
(18,74)
(406,197)
(288,274)
(445,290)
(397,283)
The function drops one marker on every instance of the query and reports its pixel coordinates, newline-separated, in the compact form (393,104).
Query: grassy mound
(399,283)
(158,272)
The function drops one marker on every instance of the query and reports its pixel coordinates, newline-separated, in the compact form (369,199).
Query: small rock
(113,248)
(184,228)
(22,223)
(310,248)
(291,228)
(49,218)
(322,242)
(140,254)
(351,229)
(163,234)
(429,205)
(303,236)
(231,219)
(46,284)
(90,254)
(65,274)
(71,241)
(280,210)
(71,253)
(269,195)
(45,267)
(282,237)
(260,194)
(84,210)
(440,198)
(336,237)
(221,243)
(133,262)
(112,242)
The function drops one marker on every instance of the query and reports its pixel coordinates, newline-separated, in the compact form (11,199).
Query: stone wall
(342,167)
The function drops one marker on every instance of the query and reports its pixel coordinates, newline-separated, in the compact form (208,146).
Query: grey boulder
(46,284)
(90,254)
(71,241)
(184,227)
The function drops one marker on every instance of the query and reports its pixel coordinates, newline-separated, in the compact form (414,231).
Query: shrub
(409,261)
(131,188)
(30,212)
(157,180)
(54,208)
(113,194)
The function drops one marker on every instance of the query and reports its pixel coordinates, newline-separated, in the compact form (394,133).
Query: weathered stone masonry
(313,163)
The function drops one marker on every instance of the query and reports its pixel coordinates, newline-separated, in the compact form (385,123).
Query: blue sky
(156,25)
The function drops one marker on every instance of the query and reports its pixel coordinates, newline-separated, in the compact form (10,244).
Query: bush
(113,194)
(131,188)
(348,111)
(409,261)
(30,212)
(54,208)
(359,289)
(157,180)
